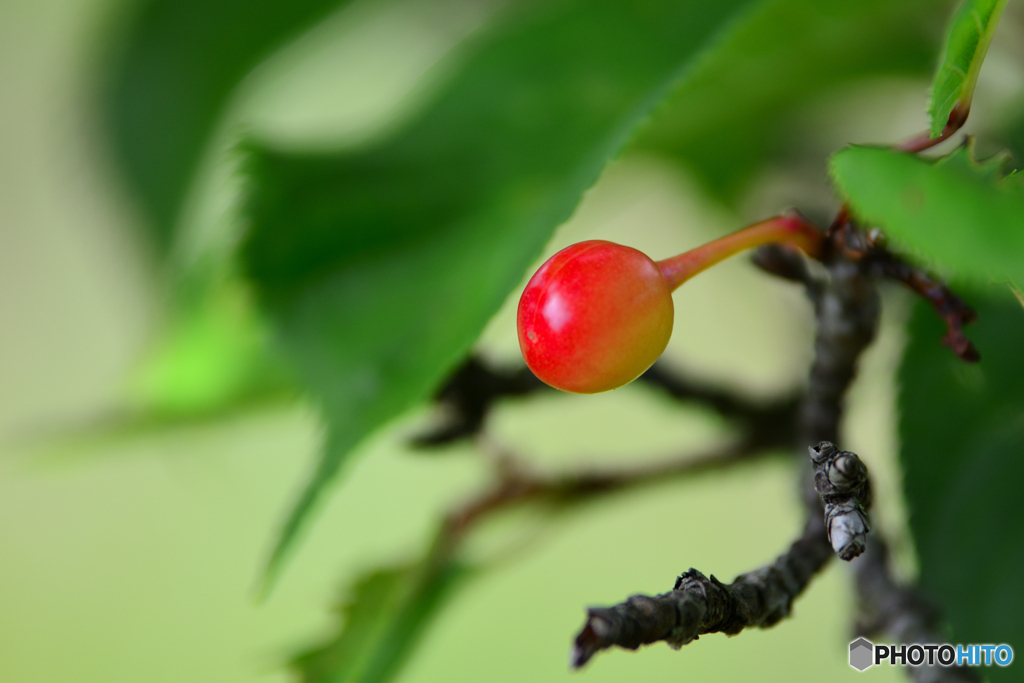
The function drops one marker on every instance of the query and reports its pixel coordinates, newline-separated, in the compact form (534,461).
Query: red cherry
(596,315)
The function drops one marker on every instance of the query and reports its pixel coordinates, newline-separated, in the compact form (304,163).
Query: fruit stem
(790,228)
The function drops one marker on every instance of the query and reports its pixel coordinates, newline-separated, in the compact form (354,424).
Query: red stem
(790,227)
(923,141)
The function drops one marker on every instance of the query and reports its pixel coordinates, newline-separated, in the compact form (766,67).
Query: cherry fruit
(597,314)
(594,316)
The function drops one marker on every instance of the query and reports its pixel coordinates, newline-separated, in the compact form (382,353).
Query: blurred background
(132,549)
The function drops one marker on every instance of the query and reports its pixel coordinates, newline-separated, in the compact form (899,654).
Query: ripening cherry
(597,314)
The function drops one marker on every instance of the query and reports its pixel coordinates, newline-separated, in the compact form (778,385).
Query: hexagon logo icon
(862,654)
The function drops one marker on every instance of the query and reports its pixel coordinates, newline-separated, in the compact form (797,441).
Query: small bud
(847,529)
(821,452)
(600,627)
(846,472)
(841,479)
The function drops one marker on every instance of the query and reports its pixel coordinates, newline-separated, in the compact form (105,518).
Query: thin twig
(517,485)
(955,313)
(769,423)
(870,249)
(468,395)
(476,386)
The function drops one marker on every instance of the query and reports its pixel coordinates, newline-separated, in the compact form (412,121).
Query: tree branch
(768,423)
(869,248)
(468,395)
(950,307)
(846,310)
(517,485)
(474,388)
(698,605)
(902,612)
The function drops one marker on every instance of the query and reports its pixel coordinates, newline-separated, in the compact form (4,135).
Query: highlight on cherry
(597,314)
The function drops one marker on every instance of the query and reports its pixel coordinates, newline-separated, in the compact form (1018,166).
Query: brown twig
(516,486)
(871,250)
(698,605)
(846,311)
(950,307)
(476,386)
(468,395)
(764,422)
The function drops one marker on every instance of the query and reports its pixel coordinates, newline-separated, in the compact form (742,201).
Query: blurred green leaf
(170,77)
(962,430)
(957,211)
(730,110)
(967,41)
(381,266)
(213,358)
(382,622)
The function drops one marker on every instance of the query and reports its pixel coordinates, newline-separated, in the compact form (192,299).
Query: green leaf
(956,210)
(970,33)
(170,77)
(381,266)
(383,620)
(962,430)
(733,108)
(213,358)
(211,361)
